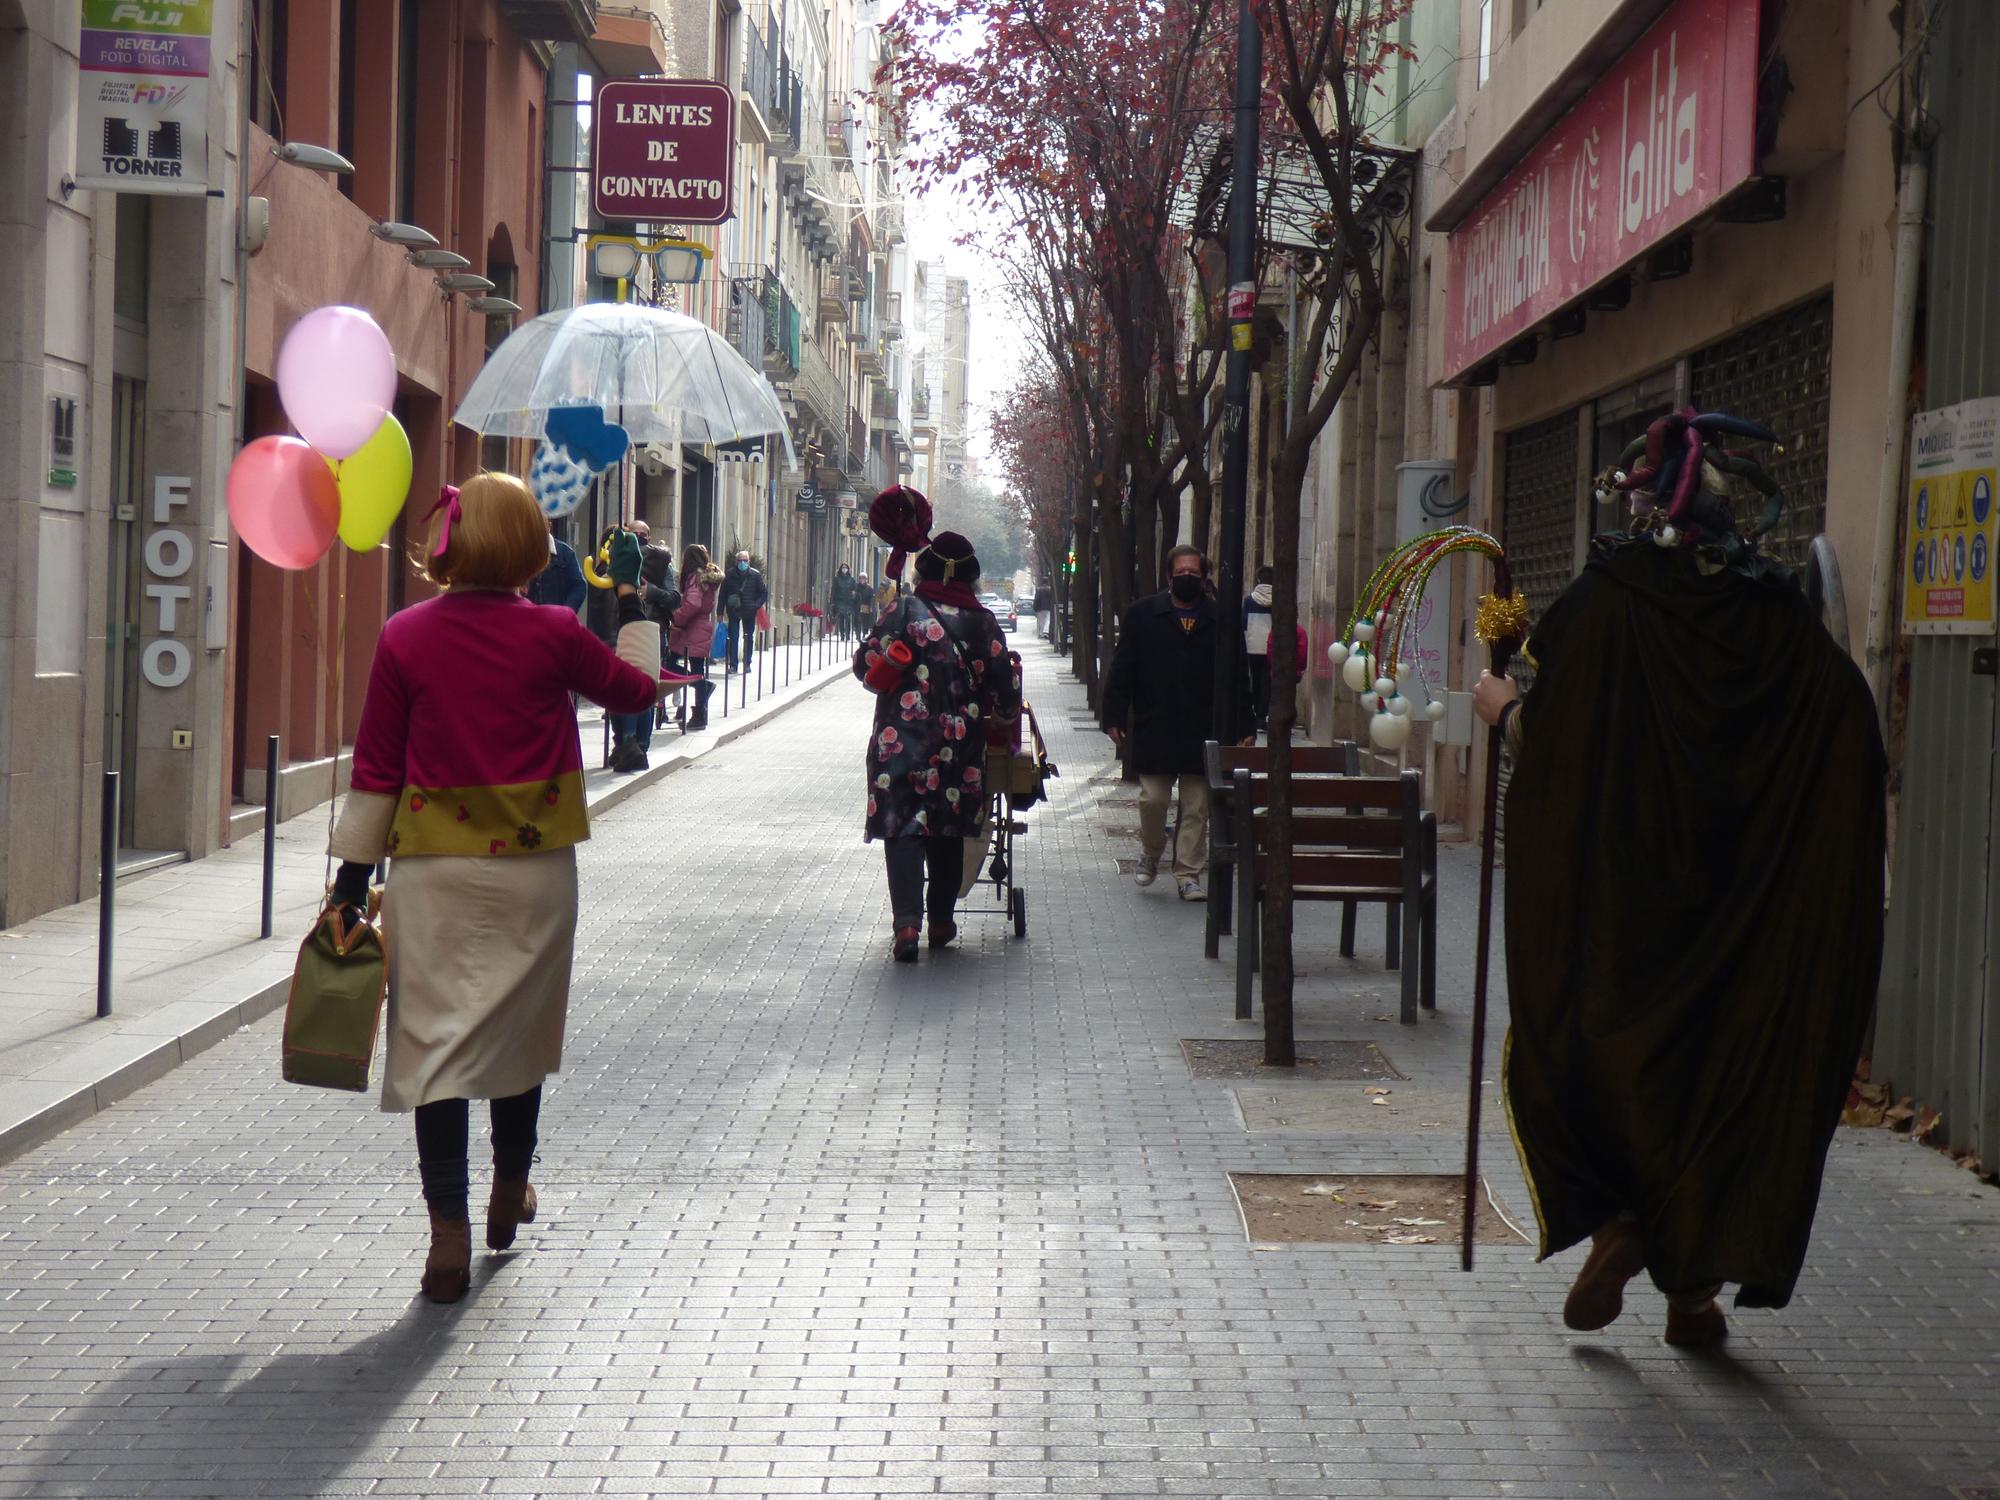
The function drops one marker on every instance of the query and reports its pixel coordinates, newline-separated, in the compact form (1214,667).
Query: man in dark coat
(1694,921)
(743,594)
(1161,693)
(561,582)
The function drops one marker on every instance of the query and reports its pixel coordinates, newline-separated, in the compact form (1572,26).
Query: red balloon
(284,501)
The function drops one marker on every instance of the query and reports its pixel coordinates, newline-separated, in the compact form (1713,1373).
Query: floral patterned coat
(927,754)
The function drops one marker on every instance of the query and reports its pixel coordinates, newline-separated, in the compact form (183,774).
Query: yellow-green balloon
(374,483)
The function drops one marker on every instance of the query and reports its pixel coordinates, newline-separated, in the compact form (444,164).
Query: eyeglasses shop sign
(663,151)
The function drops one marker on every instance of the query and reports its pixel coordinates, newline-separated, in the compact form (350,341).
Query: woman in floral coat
(927,754)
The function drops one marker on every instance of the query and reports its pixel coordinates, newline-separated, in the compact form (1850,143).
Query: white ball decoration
(1385,687)
(1355,671)
(1434,710)
(1337,652)
(1370,703)
(1399,706)
(1364,630)
(1388,731)
(1406,670)
(1666,536)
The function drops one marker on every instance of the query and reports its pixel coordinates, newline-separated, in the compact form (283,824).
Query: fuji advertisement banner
(142,97)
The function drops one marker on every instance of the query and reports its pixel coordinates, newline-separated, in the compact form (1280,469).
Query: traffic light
(1069,564)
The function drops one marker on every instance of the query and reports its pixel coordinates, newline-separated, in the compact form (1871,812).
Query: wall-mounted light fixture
(313,158)
(409,236)
(463,281)
(493,306)
(439,260)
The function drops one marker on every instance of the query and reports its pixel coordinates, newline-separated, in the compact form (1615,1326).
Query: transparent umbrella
(662,376)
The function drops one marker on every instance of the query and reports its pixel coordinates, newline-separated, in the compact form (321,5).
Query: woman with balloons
(468,772)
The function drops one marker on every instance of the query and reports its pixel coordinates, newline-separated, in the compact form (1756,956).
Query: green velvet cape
(1694,849)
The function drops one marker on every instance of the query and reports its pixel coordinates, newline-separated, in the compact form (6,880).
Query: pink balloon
(337,378)
(284,501)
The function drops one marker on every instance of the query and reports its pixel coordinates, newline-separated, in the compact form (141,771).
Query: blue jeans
(634,727)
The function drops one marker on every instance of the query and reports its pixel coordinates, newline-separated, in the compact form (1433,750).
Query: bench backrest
(1221,762)
(1347,830)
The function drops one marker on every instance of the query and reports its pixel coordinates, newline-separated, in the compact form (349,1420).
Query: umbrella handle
(596,565)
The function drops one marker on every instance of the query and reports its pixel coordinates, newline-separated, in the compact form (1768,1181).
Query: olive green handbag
(335,1007)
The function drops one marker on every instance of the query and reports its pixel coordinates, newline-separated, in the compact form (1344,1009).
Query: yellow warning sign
(1948,552)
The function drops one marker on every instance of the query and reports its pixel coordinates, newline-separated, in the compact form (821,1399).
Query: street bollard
(788,656)
(107,887)
(270,828)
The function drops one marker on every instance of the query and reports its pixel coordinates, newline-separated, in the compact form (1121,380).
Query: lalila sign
(1661,138)
(142,96)
(663,151)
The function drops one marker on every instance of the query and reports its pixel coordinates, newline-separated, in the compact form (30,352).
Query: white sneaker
(1149,870)
(1190,888)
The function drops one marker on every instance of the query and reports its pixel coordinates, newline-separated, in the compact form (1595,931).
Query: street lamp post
(1242,310)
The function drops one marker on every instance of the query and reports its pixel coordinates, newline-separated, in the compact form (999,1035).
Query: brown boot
(512,1205)
(448,1268)
(1694,1321)
(1597,1295)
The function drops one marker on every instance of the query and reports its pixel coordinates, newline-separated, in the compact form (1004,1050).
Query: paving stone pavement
(814,1224)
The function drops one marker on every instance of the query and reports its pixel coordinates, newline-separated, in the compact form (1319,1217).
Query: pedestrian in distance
(1159,704)
(1695,837)
(940,670)
(1257,644)
(1045,604)
(561,580)
(468,776)
(843,602)
(743,594)
(632,734)
(692,634)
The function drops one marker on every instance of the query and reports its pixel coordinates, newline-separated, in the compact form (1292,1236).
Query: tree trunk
(1280,1046)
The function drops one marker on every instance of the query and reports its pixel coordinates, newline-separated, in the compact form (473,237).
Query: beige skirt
(479,961)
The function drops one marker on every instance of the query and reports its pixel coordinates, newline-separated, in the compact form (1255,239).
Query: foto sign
(663,150)
(1667,133)
(1948,550)
(142,96)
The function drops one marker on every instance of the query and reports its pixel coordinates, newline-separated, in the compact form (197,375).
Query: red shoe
(942,933)
(906,945)
(1597,1295)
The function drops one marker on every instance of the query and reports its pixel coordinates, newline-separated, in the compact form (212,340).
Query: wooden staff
(1503,645)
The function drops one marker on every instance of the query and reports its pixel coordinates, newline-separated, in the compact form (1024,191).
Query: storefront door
(121,688)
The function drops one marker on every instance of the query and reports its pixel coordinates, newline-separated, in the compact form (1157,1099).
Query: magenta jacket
(692,630)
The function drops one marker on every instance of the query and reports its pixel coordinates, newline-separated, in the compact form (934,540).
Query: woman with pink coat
(691,632)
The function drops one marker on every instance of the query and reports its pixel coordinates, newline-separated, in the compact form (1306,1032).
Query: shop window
(1779,372)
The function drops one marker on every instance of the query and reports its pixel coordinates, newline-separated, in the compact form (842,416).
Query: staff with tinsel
(1373,662)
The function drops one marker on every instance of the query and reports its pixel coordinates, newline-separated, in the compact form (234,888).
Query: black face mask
(1186,587)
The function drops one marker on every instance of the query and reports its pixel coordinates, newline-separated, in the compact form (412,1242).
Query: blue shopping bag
(720,646)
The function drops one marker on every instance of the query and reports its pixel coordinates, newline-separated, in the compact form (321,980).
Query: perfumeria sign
(1663,136)
(663,151)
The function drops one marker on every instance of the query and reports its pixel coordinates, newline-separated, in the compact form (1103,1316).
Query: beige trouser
(1191,849)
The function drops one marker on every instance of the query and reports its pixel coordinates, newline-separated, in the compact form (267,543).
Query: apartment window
(267,65)
(345,94)
(1485,40)
(406,112)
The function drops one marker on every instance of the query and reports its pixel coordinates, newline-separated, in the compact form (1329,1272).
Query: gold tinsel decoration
(1500,619)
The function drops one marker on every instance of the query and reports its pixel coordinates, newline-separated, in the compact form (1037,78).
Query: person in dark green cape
(1695,834)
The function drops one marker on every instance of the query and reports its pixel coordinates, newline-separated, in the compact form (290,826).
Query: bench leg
(1246,948)
(1218,907)
(1429,989)
(1395,935)
(1226,881)
(1410,962)
(1347,914)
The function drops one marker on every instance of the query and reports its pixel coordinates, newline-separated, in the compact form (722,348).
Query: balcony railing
(772,83)
(885,409)
(817,388)
(781,334)
(746,316)
(857,445)
(876,473)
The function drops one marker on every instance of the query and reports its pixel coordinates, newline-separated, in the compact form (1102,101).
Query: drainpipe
(1912,191)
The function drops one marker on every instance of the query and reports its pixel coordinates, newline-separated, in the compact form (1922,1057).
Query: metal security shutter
(1778,372)
(1538,509)
(1538,480)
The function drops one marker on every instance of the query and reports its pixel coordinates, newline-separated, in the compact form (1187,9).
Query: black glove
(350,889)
(626,557)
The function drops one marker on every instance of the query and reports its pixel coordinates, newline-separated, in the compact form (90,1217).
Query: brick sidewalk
(816,1225)
(188,965)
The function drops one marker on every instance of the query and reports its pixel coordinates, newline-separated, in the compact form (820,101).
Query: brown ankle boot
(512,1205)
(448,1268)
(1694,1321)
(1597,1295)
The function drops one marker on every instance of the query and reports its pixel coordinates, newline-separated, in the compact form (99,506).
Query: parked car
(1003,610)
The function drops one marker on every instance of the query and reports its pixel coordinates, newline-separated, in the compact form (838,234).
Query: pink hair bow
(448,503)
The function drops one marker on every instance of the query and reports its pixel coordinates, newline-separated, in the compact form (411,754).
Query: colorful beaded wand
(1371,657)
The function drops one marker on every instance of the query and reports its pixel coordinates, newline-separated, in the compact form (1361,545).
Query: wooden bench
(1354,839)
(1220,763)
